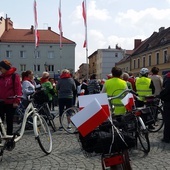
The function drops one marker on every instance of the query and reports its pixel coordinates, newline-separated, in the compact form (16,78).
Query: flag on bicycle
(102,98)
(128,101)
(87,119)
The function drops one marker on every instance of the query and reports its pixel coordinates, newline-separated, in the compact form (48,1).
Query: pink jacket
(10,87)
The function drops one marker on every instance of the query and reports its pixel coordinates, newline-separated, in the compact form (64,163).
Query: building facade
(18,46)
(102,61)
(154,51)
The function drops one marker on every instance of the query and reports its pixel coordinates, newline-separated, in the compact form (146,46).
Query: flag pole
(35,34)
(84,13)
(61,33)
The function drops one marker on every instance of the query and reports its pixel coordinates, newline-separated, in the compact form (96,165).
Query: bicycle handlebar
(14,97)
(122,93)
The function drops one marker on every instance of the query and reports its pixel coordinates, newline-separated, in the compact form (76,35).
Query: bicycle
(157,123)
(66,123)
(44,110)
(110,142)
(41,130)
(132,123)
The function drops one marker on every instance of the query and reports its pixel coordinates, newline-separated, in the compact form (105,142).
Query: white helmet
(144,71)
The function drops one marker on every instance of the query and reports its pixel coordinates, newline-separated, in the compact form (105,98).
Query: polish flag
(101,98)
(128,101)
(89,118)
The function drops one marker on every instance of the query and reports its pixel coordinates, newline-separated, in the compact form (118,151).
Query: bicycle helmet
(144,71)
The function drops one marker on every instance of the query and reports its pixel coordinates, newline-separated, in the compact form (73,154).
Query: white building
(18,46)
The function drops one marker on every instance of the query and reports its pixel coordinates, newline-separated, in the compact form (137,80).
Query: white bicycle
(41,131)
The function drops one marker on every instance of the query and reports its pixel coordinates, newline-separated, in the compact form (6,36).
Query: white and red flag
(89,118)
(128,101)
(36,24)
(60,23)
(85,22)
(101,98)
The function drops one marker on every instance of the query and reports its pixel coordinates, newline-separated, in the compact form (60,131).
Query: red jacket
(10,86)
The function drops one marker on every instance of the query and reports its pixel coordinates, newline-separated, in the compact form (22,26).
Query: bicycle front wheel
(66,122)
(42,134)
(143,136)
(157,113)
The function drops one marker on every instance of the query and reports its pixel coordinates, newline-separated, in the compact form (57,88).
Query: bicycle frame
(29,110)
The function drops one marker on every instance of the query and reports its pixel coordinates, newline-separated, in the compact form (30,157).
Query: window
(165,56)
(157,58)
(22,54)
(149,60)
(51,68)
(37,54)
(8,54)
(134,64)
(143,61)
(51,54)
(138,62)
(22,67)
(36,67)
(116,54)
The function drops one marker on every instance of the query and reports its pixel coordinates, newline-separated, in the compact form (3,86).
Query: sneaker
(60,128)
(69,128)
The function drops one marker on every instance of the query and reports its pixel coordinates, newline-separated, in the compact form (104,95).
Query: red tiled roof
(27,36)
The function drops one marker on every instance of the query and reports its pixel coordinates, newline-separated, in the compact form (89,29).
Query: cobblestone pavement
(67,155)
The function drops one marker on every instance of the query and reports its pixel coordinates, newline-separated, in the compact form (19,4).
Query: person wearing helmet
(144,87)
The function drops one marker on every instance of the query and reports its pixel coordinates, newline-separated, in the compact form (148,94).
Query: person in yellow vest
(144,87)
(113,87)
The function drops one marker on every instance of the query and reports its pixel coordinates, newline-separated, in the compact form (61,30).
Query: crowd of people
(65,91)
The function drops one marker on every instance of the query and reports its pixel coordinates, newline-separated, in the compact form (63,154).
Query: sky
(109,22)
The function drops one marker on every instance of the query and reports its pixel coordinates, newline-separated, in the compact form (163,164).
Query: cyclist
(157,80)
(144,87)
(10,85)
(65,87)
(165,96)
(113,87)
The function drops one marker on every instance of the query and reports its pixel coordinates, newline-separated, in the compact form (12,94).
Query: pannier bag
(100,140)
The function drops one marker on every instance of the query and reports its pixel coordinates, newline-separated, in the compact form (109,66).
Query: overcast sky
(109,22)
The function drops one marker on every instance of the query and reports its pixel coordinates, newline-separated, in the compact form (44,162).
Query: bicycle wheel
(67,124)
(49,117)
(143,136)
(42,134)
(157,113)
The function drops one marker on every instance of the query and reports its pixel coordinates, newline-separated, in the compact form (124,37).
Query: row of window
(22,54)
(136,62)
(37,68)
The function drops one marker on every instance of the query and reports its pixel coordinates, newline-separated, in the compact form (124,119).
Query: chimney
(161,29)
(137,42)
(49,28)
(32,29)
(8,24)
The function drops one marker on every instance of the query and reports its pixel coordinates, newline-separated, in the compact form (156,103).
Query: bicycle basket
(129,122)
(147,117)
(100,142)
(40,97)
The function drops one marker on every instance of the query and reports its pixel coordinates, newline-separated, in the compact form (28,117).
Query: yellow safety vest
(142,87)
(114,87)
